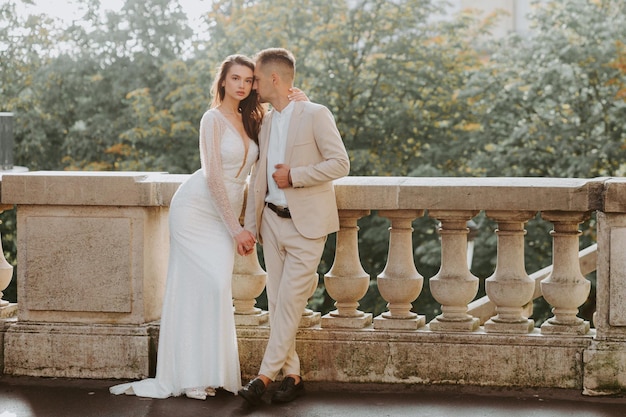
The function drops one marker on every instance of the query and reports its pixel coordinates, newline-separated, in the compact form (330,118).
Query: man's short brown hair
(281,59)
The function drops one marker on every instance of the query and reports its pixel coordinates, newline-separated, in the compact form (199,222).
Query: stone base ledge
(8,311)
(335,355)
(333,321)
(78,351)
(252,319)
(382,323)
(425,357)
(555,329)
(605,368)
(492,326)
(441,325)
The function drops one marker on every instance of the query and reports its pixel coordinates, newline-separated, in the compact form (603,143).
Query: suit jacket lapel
(264,140)
(296,116)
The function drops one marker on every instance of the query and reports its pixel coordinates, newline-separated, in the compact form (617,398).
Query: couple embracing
(294,152)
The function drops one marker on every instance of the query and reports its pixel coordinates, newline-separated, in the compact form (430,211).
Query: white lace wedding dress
(197,341)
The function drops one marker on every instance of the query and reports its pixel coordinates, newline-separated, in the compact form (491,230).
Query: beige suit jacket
(316,155)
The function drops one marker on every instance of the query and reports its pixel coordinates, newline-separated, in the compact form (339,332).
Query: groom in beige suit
(291,208)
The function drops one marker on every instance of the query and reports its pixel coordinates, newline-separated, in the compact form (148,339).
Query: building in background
(515,18)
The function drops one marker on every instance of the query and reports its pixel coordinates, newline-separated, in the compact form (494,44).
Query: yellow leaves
(619,63)
(73,165)
(120,149)
(471,127)
(140,92)
(183,127)
(436,40)
(97,166)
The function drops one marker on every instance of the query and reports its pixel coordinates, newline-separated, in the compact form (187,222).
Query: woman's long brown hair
(250,108)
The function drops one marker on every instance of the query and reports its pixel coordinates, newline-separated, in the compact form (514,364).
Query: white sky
(68,10)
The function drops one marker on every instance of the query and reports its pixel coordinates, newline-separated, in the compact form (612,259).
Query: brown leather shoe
(253,391)
(288,390)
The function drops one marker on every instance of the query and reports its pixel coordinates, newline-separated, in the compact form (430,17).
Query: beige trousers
(291,262)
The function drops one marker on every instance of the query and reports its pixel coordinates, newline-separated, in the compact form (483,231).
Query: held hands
(282,175)
(245,243)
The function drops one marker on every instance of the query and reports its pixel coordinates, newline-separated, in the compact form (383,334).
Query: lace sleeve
(211,131)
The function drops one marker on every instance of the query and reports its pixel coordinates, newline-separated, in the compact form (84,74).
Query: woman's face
(238,82)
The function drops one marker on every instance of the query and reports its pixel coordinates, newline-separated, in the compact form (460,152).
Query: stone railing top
(469,193)
(90,188)
(353,193)
(615,195)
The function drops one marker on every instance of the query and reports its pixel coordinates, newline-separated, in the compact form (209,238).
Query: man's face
(262,84)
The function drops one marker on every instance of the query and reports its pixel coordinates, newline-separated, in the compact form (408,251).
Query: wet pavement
(57,397)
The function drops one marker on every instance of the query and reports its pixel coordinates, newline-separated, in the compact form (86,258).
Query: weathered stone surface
(77,351)
(423,357)
(604,368)
(8,311)
(4,324)
(91,188)
(56,250)
(91,264)
(609,318)
(458,193)
(614,195)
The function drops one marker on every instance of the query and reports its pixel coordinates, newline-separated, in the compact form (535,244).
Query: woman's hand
(297,95)
(245,243)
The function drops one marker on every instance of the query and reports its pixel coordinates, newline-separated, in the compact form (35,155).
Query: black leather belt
(280,211)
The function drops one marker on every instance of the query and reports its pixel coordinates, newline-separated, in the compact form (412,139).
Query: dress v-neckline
(246,141)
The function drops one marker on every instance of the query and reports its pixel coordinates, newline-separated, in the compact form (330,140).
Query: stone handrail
(92,256)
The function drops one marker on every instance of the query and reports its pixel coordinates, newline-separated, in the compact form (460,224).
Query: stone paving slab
(56,397)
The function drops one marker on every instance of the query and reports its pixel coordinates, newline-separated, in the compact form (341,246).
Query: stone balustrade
(92,255)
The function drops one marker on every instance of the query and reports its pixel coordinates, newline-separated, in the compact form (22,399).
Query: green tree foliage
(94,92)
(388,72)
(553,104)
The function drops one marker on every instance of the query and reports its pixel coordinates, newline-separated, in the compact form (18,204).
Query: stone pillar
(400,283)
(510,288)
(454,286)
(347,282)
(92,250)
(605,359)
(248,283)
(566,289)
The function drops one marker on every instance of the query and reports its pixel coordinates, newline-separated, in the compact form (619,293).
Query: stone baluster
(510,288)
(400,283)
(454,286)
(347,282)
(566,288)
(248,283)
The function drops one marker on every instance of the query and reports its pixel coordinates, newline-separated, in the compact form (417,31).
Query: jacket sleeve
(335,162)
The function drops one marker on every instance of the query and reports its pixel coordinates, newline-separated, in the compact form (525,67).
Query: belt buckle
(280,211)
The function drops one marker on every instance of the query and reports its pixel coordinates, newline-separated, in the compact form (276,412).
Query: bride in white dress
(197,350)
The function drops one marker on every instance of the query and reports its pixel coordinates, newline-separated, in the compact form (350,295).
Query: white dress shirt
(276,153)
